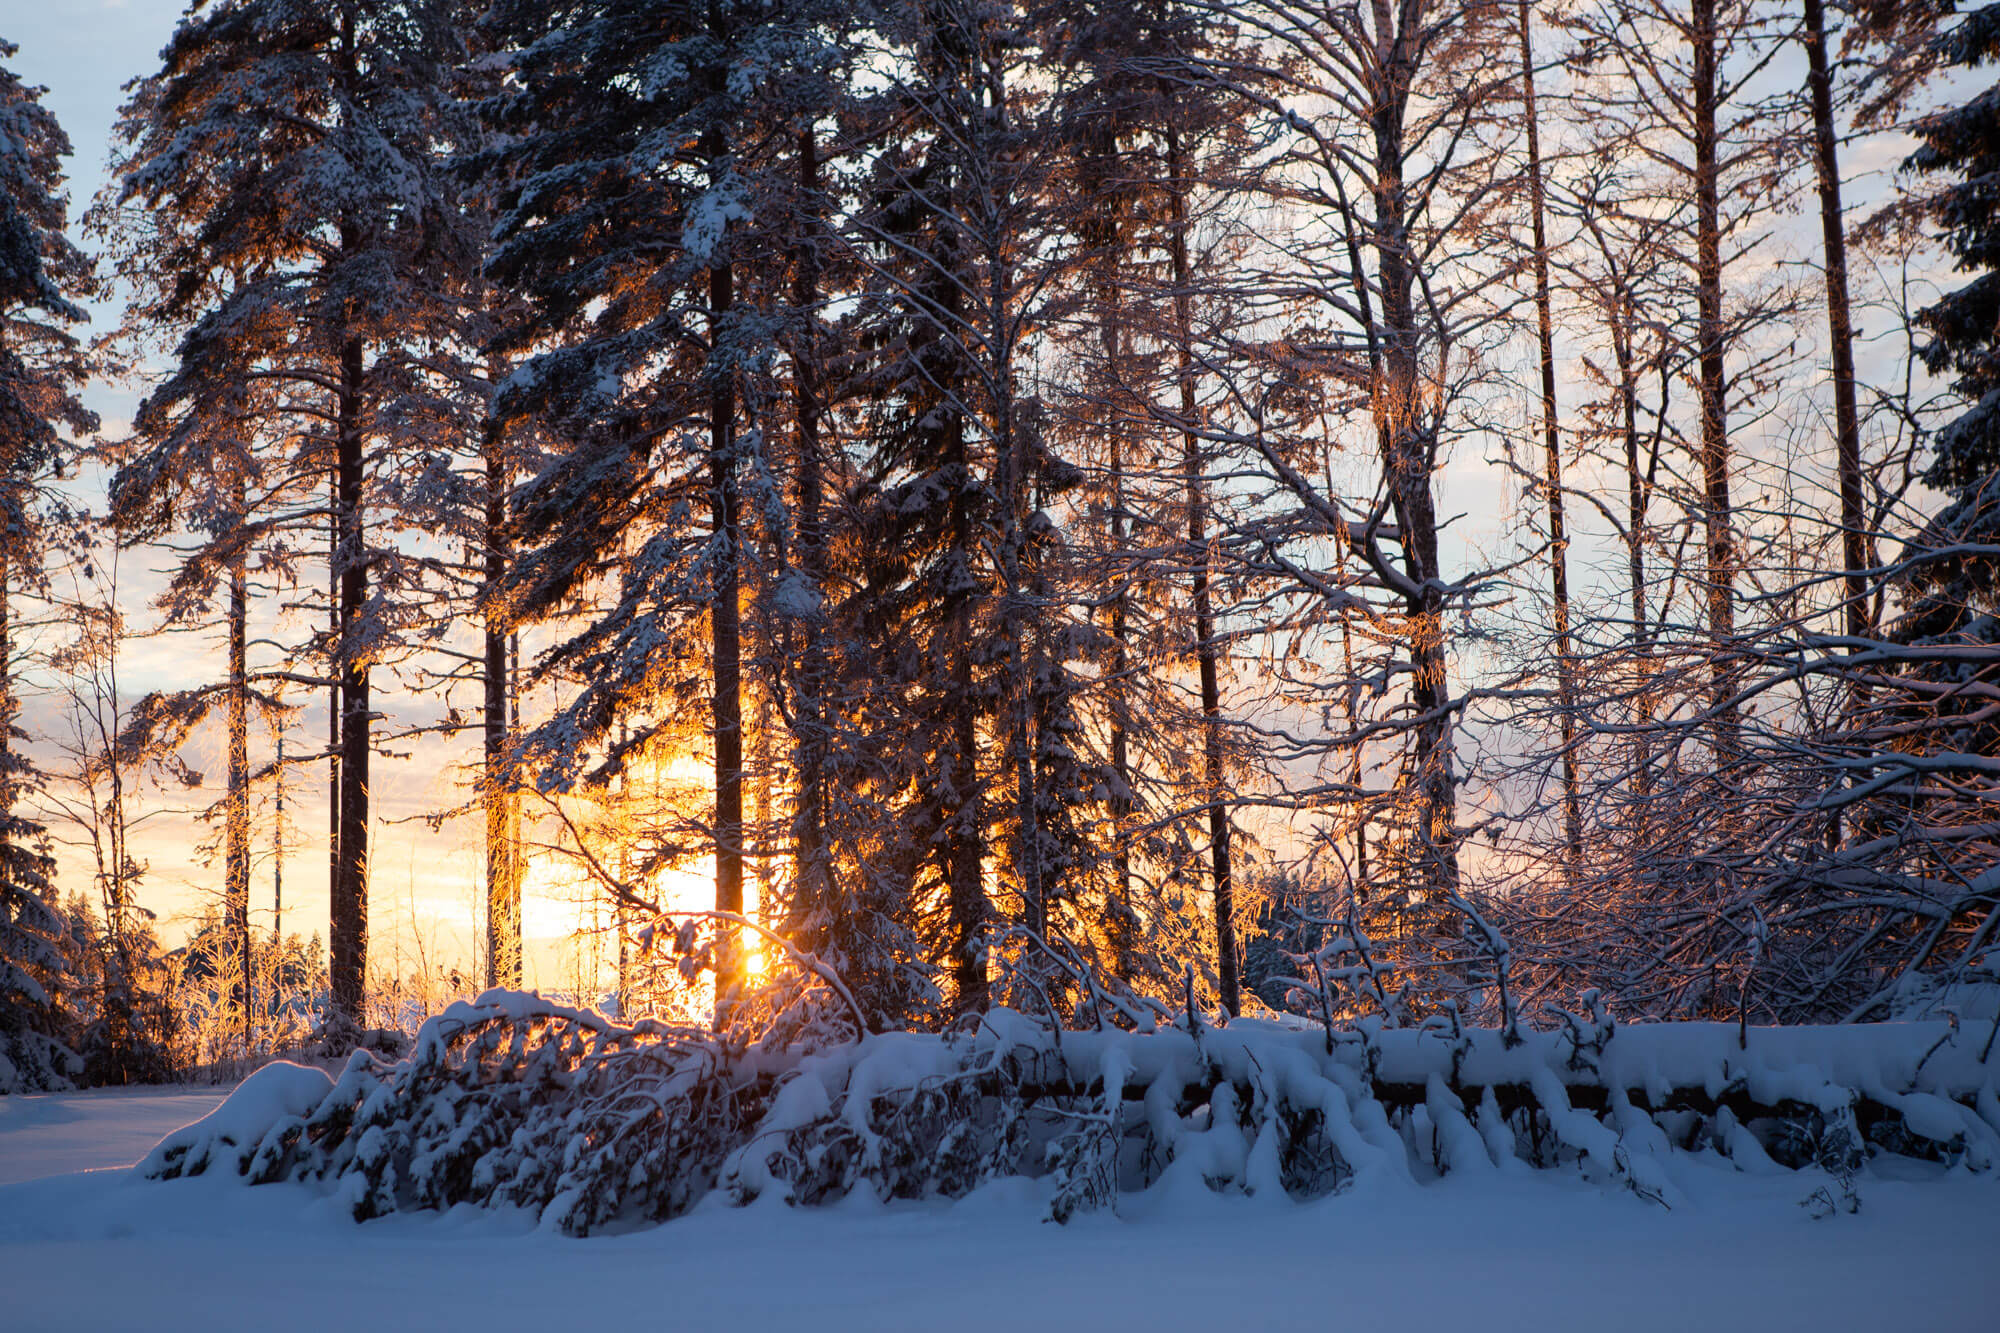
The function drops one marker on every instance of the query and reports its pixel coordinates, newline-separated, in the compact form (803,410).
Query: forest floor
(86,1247)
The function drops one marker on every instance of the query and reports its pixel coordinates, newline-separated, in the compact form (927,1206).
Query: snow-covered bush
(33,1057)
(590,1123)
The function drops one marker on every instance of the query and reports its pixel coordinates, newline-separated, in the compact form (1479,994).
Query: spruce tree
(1153,100)
(1963,329)
(628,225)
(967,260)
(1922,804)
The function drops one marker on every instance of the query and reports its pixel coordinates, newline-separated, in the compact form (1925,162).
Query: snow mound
(266,1107)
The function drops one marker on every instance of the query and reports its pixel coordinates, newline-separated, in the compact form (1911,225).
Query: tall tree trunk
(119,908)
(503,879)
(347,889)
(724,620)
(8,779)
(725,626)
(1016,558)
(1356,772)
(766,644)
(767,786)
(236,815)
(1206,653)
(333,709)
(1410,455)
(350,892)
(964,830)
(623,824)
(6,675)
(1028,849)
(1020,655)
(1718,512)
(811,865)
(278,853)
(1552,449)
(1638,485)
(1840,321)
(1121,915)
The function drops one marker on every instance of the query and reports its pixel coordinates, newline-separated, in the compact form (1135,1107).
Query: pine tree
(457,490)
(1913,768)
(33,1056)
(844,900)
(296,223)
(42,278)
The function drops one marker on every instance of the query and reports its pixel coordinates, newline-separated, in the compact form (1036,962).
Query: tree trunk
(1028,850)
(1840,322)
(236,816)
(1638,485)
(7,780)
(1718,515)
(278,853)
(1356,772)
(1410,455)
(1020,630)
(1017,466)
(350,893)
(1121,914)
(964,830)
(1213,785)
(811,866)
(333,710)
(503,880)
(726,630)
(1552,448)
(347,890)
(725,627)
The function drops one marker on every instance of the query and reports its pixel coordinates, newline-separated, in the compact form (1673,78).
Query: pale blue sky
(83,52)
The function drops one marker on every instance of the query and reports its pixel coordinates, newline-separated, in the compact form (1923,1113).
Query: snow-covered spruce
(513,1100)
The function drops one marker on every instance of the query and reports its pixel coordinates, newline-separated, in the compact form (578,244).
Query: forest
(1474,516)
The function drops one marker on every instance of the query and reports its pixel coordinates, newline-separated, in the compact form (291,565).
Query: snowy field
(88,1131)
(83,1247)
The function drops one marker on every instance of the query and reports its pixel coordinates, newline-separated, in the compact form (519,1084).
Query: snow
(53,1133)
(279,1094)
(1546,1250)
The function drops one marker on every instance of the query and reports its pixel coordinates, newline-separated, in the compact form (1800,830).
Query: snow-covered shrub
(33,975)
(267,1107)
(512,1100)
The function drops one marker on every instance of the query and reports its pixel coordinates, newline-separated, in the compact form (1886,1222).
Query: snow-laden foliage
(33,1057)
(43,278)
(512,1100)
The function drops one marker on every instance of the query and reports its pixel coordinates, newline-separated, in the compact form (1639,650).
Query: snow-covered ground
(99,1249)
(88,1131)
